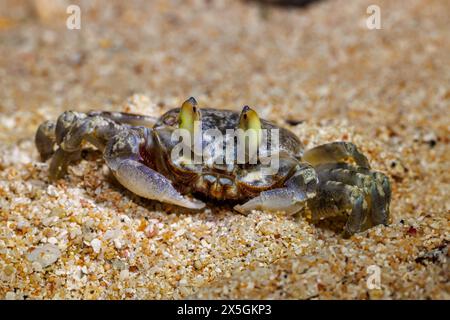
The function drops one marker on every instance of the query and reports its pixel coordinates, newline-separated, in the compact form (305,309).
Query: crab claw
(291,198)
(150,184)
(281,199)
(121,155)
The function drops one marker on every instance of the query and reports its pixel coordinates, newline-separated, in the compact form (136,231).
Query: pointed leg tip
(190,203)
(197,204)
(238,208)
(242,210)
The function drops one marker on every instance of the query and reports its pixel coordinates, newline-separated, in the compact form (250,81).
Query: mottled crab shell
(221,181)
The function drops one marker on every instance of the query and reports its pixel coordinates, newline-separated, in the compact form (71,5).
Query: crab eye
(249,120)
(189,114)
(250,124)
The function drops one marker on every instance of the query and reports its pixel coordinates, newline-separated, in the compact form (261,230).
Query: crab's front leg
(69,133)
(123,158)
(291,198)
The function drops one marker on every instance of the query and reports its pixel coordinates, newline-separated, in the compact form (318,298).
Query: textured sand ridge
(316,67)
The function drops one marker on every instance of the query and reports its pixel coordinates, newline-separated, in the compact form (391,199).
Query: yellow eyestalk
(250,124)
(249,119)
(190,119)
(189,115)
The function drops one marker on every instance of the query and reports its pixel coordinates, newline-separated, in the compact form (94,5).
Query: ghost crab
(326,180)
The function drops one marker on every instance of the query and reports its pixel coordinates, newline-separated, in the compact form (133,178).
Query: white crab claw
(281,199)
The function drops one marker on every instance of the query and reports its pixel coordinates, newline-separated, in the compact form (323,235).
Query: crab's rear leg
(335,152)
(122,157)
(50,133)
(375,185)
(343,186)
(45,139)
(291,198)
(334,197)
(127,118)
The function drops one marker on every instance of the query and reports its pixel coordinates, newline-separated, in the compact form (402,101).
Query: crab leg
(50,133)
(375,185)
(60,162)
(122,157)
(97,130)
(45,139)
(65,122)
(70,132)
(335,152)
(381,198)
(344,197)
(291,198)
(281,199)
(127,118)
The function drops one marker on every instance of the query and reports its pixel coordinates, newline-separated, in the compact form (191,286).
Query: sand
(317,67)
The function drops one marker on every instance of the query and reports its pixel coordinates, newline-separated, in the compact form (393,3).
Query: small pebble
(45,255)
(96,245)
(124,274)
(10,296)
